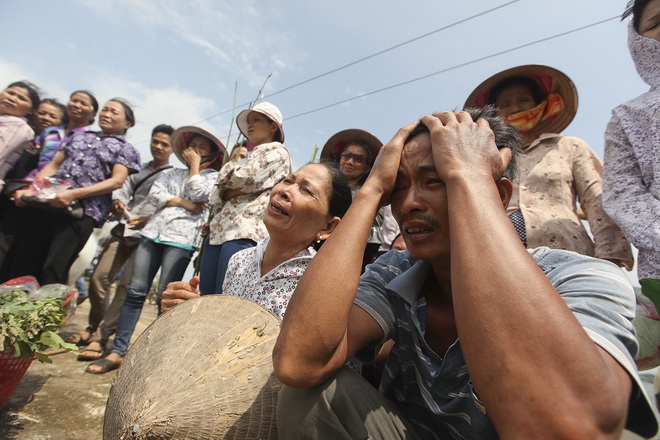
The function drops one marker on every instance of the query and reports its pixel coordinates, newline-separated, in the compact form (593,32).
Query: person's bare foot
(108,363)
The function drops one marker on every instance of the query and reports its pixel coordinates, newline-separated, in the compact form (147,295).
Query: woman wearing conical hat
(354,151)
(556,172)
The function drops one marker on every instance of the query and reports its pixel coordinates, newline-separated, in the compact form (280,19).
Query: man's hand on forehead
(461,145)
(384,172)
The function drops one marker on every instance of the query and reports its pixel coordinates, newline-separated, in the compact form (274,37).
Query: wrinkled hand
(62,199)
(460,146)
(383,174)
(191,157)
(138,222)
(194,207)
(206,229)
(179,292)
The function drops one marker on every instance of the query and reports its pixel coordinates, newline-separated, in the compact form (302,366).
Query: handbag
(14,185)
(75,210)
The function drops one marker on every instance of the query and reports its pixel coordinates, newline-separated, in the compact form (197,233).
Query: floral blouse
(89,159)
(242,216)
(271,291)
(554,172)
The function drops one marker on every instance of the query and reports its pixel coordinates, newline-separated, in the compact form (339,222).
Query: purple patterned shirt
(90,158)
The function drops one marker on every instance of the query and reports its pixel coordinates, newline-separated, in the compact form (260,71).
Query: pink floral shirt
(553,173)
(242,216)
(271,291)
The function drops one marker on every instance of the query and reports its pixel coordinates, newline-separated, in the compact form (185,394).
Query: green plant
(31,326)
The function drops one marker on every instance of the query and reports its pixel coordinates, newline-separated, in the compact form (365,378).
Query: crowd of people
(455,255)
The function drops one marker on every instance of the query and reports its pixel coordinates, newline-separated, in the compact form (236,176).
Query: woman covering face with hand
(172,234)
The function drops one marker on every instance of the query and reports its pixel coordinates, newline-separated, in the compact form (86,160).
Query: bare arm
(322,328)
(115,181)
(533,365)
(47,171)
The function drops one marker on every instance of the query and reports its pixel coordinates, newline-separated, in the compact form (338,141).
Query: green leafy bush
(31,326)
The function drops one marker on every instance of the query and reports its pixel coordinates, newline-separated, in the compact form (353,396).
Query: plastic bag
(35,292)
(45,188)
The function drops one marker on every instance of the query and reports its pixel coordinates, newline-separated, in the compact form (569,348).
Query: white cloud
(244,39)
(152,106)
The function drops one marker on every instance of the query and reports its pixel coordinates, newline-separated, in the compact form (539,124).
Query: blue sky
(178,62)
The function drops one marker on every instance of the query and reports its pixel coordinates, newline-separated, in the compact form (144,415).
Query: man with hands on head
(491,340)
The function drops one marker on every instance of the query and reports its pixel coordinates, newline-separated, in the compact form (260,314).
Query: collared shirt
(632,159)
(15,133)
(51,141)
(271,291)
(136,198)
(89,159)
(242,216)
(436,392)
(174,224)
(554,172)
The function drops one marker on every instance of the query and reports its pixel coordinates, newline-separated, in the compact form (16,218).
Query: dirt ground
(60,401)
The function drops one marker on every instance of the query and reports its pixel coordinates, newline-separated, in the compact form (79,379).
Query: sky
(186,63)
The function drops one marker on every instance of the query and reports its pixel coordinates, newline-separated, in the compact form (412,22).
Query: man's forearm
(530,360)
(312,339)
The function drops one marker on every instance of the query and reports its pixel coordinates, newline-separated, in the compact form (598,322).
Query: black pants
(47,246)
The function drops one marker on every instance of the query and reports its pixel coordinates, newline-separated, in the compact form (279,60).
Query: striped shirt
(436,393)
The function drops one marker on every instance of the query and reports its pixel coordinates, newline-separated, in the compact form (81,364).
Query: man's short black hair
(162,128)
(506,135)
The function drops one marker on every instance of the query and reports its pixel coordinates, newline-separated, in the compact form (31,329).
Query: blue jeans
(149,256)
(215,259)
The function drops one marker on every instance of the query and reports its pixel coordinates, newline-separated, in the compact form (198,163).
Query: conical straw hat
(201,371)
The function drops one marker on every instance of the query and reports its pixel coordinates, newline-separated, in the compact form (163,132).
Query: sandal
(79,340)
(97,353)
(105,366)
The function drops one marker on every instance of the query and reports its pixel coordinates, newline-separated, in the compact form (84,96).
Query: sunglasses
(357,158)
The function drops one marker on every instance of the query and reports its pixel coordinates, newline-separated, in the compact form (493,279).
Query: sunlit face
(48,115)
(260,129)
(161,147)
(419,202)
(80,109)
(15,101)
(514,99)
(649,22)
(238,154)
(353,163)
(299,205)
(112,119)
(200,144)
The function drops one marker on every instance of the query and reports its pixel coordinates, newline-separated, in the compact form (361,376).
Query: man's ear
(505,189)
